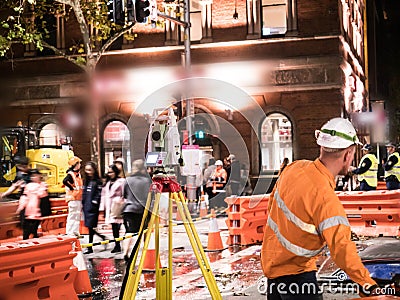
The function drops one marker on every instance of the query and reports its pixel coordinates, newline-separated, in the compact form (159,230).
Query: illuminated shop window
(276,141)
(116,139)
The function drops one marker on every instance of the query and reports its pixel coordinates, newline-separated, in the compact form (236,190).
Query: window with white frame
(196,31)
(274,20)
(276,141)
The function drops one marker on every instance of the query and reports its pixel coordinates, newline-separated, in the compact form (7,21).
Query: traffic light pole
(186,61)
(191,179)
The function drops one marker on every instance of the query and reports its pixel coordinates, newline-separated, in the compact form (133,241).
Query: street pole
(191,179)
(186,62)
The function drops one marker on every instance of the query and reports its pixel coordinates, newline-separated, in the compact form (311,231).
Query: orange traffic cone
(203,207)
(214,236)
(149,263)
(82,281)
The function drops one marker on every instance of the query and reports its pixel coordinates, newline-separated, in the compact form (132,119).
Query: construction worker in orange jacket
(304,215)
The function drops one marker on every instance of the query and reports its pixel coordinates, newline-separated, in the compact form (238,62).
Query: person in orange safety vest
(305,214)
(73,196)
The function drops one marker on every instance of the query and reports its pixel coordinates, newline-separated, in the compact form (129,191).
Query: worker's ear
(349,154)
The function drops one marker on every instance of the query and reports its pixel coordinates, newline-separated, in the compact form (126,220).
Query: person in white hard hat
(367,170)
(392,168)
(305,214)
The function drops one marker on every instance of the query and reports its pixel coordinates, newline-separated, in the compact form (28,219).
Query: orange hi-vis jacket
(76,193)
(305,215)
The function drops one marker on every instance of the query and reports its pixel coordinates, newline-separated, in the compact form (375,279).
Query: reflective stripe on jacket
(396,168)
(76,193)
(371,175)
(305,215)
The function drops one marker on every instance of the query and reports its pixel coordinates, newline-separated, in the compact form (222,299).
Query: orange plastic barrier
(38,269)
(247,216)
(381,185)
(373,213)
(55,223)
(58,205)
(9,220)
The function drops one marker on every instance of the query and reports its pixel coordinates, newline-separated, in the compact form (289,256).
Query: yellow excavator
(52,161)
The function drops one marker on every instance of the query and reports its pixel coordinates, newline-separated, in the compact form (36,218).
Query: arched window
(116,135)
(276,141)
(52,135)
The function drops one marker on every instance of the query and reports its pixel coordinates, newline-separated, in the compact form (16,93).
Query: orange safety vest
(76,193)
(304,215)
(221,173)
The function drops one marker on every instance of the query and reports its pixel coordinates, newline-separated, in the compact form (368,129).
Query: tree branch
(64,55)
(112,39)
(66,2)
(75,4)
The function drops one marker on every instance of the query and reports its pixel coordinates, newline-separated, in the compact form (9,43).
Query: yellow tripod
(163,183)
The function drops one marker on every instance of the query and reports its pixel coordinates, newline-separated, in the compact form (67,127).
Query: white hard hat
(337,133)
(219,163)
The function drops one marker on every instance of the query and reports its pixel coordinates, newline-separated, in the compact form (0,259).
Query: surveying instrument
(164,135)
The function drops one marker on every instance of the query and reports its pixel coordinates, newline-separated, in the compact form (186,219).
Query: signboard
(191,160)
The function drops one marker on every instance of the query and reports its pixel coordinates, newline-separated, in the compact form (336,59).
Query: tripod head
(163,142)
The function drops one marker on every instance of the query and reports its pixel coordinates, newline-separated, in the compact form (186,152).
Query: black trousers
(132,222)
(29,227)
(302,286)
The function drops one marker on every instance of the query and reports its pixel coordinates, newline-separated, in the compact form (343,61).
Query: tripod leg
(133,283)
(197,247)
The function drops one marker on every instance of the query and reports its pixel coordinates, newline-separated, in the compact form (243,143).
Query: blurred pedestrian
(120,163)
(91,196)
(136,189)
(392,168)
(21,178)
(208,183)
(30,204)
(367,170)
(284,163)
(73,195)
(245,184)
(234,174)
(305,214)
(112,202)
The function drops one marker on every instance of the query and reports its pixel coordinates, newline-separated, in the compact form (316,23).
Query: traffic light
(116,11)
(130,10)
(199,134)
(142,10)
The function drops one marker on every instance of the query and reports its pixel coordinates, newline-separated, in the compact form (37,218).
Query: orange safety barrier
(54,224)
(27,271)
(247,216)
(381,185)
(9,220)
(58,205)
(372,213)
